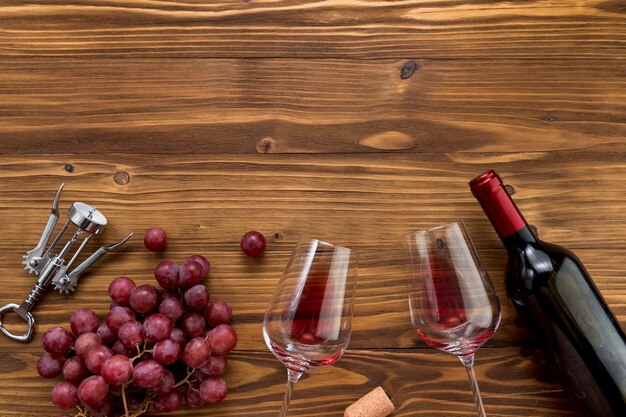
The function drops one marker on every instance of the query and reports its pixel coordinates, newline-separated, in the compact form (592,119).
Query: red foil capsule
(497,203)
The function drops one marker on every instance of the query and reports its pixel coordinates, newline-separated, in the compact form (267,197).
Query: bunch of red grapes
(155,351)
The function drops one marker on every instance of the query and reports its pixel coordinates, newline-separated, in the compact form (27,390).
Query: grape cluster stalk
(155,350)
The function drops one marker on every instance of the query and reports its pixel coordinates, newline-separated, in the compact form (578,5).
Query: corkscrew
(50,267)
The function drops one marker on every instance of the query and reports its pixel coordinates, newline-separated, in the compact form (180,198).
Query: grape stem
(82,412)
(141,353)
(143,408)
(124,399)
(181,382)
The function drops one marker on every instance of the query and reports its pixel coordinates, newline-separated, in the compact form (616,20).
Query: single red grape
(166,384)
(144,298)
(74,370)
(92,391)
(84,321)
(206,266)
(50,365)
(64,395)
(107,336)
(198,375)
(117,370)
(120,289)
(166,352)
(197,352)
(197,297)
(213,390)
(172,308)
(119,315)
(193,324)
(166,274)
(85,342)
(130,334)
(147,374)
(156,327)
(96,358)
(215,366)
(253,244)
(155,239)
(223,339)
(193,399)
(57,340)
(218,312)
(190,274)
(178,336)
(120,349)
(166,403)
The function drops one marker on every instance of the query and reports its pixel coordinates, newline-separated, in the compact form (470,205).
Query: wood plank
(286,28)
(575,198)
(213,106)
(424,383)
(209,202)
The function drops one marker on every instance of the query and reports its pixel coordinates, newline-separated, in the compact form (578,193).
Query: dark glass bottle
(561,307)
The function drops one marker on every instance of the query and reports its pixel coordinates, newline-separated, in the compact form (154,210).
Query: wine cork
(373,404)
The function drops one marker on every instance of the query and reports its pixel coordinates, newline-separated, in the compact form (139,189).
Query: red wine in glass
(306,319)
(453,304)
(308,322)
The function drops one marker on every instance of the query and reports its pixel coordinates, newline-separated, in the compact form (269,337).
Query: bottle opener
(50,266)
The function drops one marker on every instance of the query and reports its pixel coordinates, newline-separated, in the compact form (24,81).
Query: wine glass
(453,304)
(308,322)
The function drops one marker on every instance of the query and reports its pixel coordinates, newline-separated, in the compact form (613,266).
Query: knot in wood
(121,177)
(266,145)
(409,69)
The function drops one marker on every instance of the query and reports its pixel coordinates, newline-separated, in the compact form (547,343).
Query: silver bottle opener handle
(34,257)
(23,310)
(66,283)
(28,318)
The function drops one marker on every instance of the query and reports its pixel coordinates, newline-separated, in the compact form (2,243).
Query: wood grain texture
(422,383)
(574,198)
(306,106)
(364,29)
(349,120)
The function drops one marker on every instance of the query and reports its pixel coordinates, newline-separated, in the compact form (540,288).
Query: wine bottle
(560,306)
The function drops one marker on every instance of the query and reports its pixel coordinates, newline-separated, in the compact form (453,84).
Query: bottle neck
(520,238)
(501,210)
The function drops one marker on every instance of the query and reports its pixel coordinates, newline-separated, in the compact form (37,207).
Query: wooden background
(353,121)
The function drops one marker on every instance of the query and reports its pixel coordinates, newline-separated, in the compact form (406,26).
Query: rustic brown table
(353,121)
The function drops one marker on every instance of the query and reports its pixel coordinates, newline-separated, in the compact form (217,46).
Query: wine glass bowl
(308,322)
(452,302)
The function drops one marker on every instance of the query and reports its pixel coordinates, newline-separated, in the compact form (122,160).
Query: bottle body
(565,315)
(569,320)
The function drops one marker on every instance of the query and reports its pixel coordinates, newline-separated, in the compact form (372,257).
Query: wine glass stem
(468,362)
(292,378)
